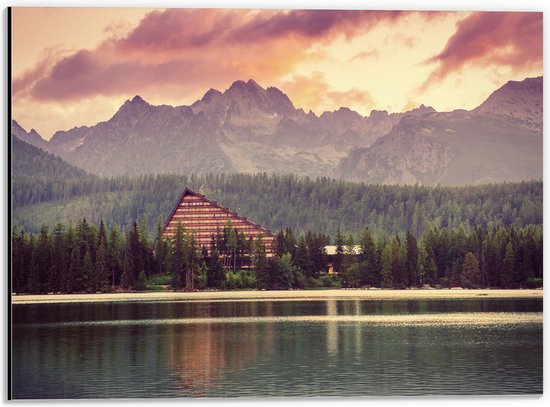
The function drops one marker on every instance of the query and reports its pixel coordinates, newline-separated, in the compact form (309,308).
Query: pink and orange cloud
(176,49)
(174,55)
(513,40)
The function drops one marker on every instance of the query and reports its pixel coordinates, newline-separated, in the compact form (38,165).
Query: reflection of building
(205,218)
(331,253)
(204,355)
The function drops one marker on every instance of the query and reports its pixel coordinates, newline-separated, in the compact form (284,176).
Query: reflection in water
(290,348)
(332,327)
(203,355)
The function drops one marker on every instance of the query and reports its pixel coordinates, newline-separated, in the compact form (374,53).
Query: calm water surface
(277,348)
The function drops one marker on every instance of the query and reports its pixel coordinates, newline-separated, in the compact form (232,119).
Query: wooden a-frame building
(204,218)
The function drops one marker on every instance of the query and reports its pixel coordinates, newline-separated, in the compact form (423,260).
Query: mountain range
(248,128)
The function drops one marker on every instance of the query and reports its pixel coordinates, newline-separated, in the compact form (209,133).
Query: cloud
(176,52)
(365,55)
(314,24)
(486,39)
(25,81)
(314,92)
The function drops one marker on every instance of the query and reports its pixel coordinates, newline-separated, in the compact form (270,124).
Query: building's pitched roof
(188,191)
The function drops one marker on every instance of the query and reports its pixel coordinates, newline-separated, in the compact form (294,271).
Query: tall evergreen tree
(115,256)
(421,263)
(59,261)
(290,242)
(387,262)
(350,256)
(260,260)
(43,259)
(160,246)
(101,273)
(302,259)
(280,243)
(88,273)
(178,258)
(398,264)
(471,274)
(369,260)
(508,267)
(339,255)
(215,272)
(191,262)
(430,271)
(127,279)
(232,246)
(412,278)
(33,275)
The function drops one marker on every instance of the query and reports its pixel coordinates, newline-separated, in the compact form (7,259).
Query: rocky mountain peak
(422,109)
(32,137)
(16,127)
(131,108)
(211,95)
(249,128)
(138,100)
(377,115)
(280,101)
(517,102)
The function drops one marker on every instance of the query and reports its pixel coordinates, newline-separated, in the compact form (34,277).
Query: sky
(76,66)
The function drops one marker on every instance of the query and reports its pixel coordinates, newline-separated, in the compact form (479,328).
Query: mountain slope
(141,139)
(250,129)
(32,161)
(517,104)
(246,128)
(501,140)
(31,137)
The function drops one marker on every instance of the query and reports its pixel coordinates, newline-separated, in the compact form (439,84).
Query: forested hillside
(29,160)
(320,205)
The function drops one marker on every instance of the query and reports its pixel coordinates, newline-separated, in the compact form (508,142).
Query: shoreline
(288,295)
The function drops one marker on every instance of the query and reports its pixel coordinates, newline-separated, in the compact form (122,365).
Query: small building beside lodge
(331,253)
(204,218)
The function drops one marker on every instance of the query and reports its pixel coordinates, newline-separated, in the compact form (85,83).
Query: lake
(277,348)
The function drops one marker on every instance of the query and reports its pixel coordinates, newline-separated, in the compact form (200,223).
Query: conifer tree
(202,277)
(59,259)
(101,273)
(507,267)
(160,246)
(20,259)
(421,263)
(302,259)
(350,257)
(115,256)
(412,278)
(127,279)
(190,262)
(290,242)
(339,255)
(398,264)
(387,275)
(471,275)
(232,246)
(141,282)
(369,268)
(43,259)
(215,271)
(430,271)
(178,261)
(260,259)
(87,273)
